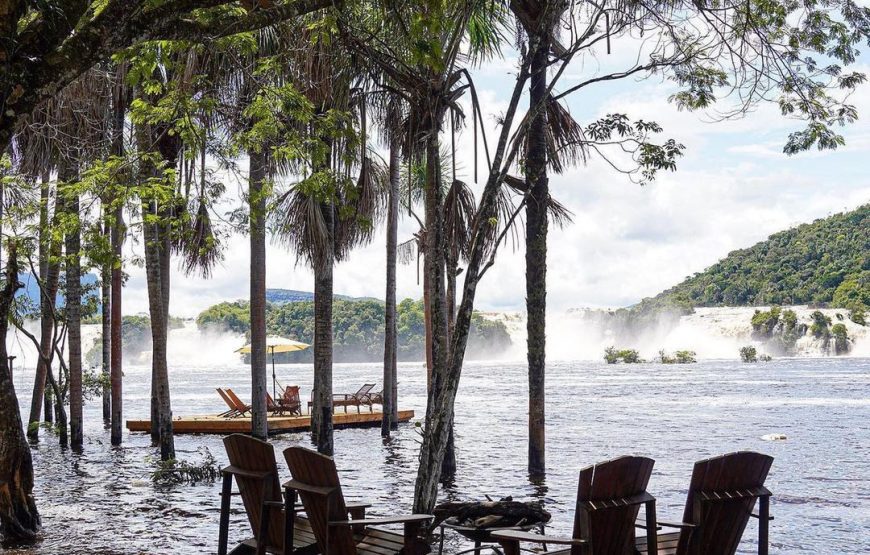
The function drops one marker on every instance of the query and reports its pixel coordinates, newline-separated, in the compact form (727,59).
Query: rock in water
(774,437)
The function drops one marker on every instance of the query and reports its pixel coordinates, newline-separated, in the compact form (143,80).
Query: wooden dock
(209,424)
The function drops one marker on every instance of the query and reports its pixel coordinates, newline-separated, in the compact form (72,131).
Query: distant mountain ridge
(825,263)
(281,296)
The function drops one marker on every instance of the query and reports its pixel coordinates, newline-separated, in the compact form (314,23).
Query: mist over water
(713,333)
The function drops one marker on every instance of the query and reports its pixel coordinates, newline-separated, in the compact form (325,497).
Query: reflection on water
(102,501)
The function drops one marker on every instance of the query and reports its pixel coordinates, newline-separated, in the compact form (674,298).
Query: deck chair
(233,411)
(241,407)
(315,479)
(609,496)
(721,497)
(361,397)
(272,406)
(290,400)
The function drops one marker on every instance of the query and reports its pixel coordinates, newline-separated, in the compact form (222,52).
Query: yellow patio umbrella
(277,344)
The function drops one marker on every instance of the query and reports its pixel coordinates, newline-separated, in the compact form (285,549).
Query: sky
(733,187)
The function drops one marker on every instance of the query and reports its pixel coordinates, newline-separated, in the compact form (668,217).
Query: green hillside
(825,263)
(358,329)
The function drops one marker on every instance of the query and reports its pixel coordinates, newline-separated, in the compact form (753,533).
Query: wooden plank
(212,424)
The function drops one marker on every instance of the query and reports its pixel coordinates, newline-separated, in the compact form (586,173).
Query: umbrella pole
(273,373)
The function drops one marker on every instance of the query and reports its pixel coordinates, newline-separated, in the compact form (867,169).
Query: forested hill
(358,329)
(826,262)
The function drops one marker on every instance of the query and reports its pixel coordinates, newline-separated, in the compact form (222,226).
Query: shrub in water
(748,354)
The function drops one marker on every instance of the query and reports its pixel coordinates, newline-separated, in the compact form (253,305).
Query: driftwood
(491,514)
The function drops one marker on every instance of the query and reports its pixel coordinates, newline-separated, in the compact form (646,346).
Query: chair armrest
(680,525)
(299,486)
(236,471)
(383,520)
(516,535)
(275,504)
(351,506)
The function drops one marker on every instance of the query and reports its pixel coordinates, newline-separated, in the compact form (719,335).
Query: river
(102,501)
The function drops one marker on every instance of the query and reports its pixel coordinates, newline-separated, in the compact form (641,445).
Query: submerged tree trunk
(72,308)
(49,276)
(117,233)
(322,410)
(117,376)
(390,419)
(429,473)
(160,371)
(19,519)
(258,172)
(106,321)
(536,252)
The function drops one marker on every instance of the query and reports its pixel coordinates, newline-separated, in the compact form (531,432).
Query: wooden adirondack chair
(361,397)
(609,496)
(253,466)
(290,400)
(315,479)
(721,497)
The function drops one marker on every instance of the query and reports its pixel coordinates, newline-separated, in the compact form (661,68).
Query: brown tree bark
(72,306)
(49,276)
(106,322)
(429,473)
(118,232)
(19,518)
(322,427)
(537,199)
(258,172)
(390,418)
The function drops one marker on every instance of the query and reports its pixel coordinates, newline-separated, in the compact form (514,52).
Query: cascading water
(712,332)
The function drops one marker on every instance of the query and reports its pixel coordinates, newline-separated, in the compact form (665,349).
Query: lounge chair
(315,479)
(609,496)
(721,497)
(290,400)
(360,398)
(272,406)
(241,408)
(233,409)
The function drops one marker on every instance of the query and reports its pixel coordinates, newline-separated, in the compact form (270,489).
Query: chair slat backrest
(610,530)
(363,391)
(240,406)
(722,523)
(226,399)
(291,397)
(315,470)
(254,455)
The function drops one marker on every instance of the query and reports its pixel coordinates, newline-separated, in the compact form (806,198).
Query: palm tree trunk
(116,320)
(322,415)
(428,475)
(106,321)
(536,253)
(49,273)
(157,311)
(258,171)
(73,318)
(119,108)
(390,417)
(19,518)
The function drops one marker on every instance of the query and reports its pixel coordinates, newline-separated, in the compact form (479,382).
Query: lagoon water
(103,501)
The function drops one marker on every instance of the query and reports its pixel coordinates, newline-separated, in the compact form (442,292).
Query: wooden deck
(208,424)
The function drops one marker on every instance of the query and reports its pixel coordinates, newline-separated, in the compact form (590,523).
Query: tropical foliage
(826,262)
(358,329)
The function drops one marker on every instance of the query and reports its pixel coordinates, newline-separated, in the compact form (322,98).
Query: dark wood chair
(722,495)
(315,480)
(609,496)
(358,399)
(253,466)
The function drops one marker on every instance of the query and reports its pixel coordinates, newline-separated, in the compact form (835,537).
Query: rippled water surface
(102,501)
